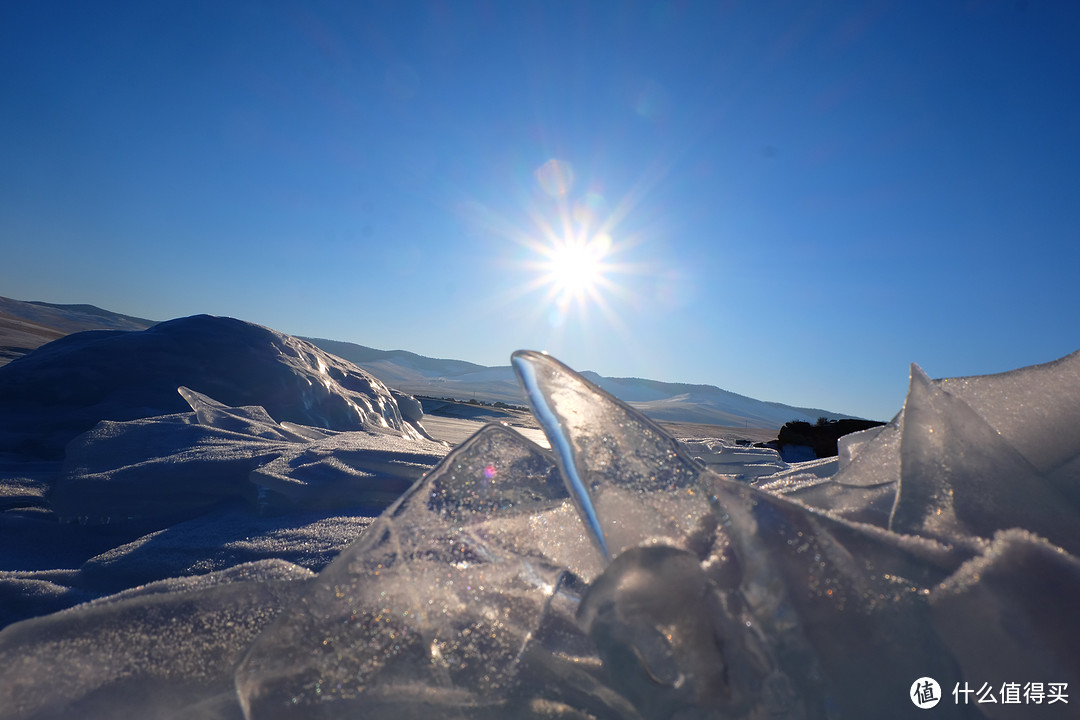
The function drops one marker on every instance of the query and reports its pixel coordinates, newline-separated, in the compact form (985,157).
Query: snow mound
(66,387)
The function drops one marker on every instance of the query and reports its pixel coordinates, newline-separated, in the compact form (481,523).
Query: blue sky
(793,200)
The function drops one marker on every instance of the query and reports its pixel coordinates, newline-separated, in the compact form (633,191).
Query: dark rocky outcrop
(822,437)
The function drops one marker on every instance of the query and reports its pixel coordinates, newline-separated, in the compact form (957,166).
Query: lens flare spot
(556,177)
(591,211)
(650,102)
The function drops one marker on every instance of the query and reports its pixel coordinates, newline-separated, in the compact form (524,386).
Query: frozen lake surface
(210,559)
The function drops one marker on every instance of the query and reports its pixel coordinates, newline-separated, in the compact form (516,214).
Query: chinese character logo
(925,693)
(1010,693)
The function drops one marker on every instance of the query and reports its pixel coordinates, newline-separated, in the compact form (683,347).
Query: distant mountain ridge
(98,314)
(27,325)
(403,358)
(71,317)
(672,402)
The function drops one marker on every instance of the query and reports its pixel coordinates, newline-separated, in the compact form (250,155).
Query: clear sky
(790,200)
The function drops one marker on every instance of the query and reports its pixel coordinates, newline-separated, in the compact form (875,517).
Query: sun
(575,268)
(571,263)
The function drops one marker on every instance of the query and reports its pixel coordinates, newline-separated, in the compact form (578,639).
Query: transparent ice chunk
(250,420)
(667,640)
(430,612)
(960,477)
(812,586)
(728,620)
(737,461)
(630,480)
(1035,409)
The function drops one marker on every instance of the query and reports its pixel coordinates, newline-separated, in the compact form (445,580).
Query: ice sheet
(225,537)
(158,466)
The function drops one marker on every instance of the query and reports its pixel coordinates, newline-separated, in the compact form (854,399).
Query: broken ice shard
(667,641)
(560,444)
(863,486)
(1035,409)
